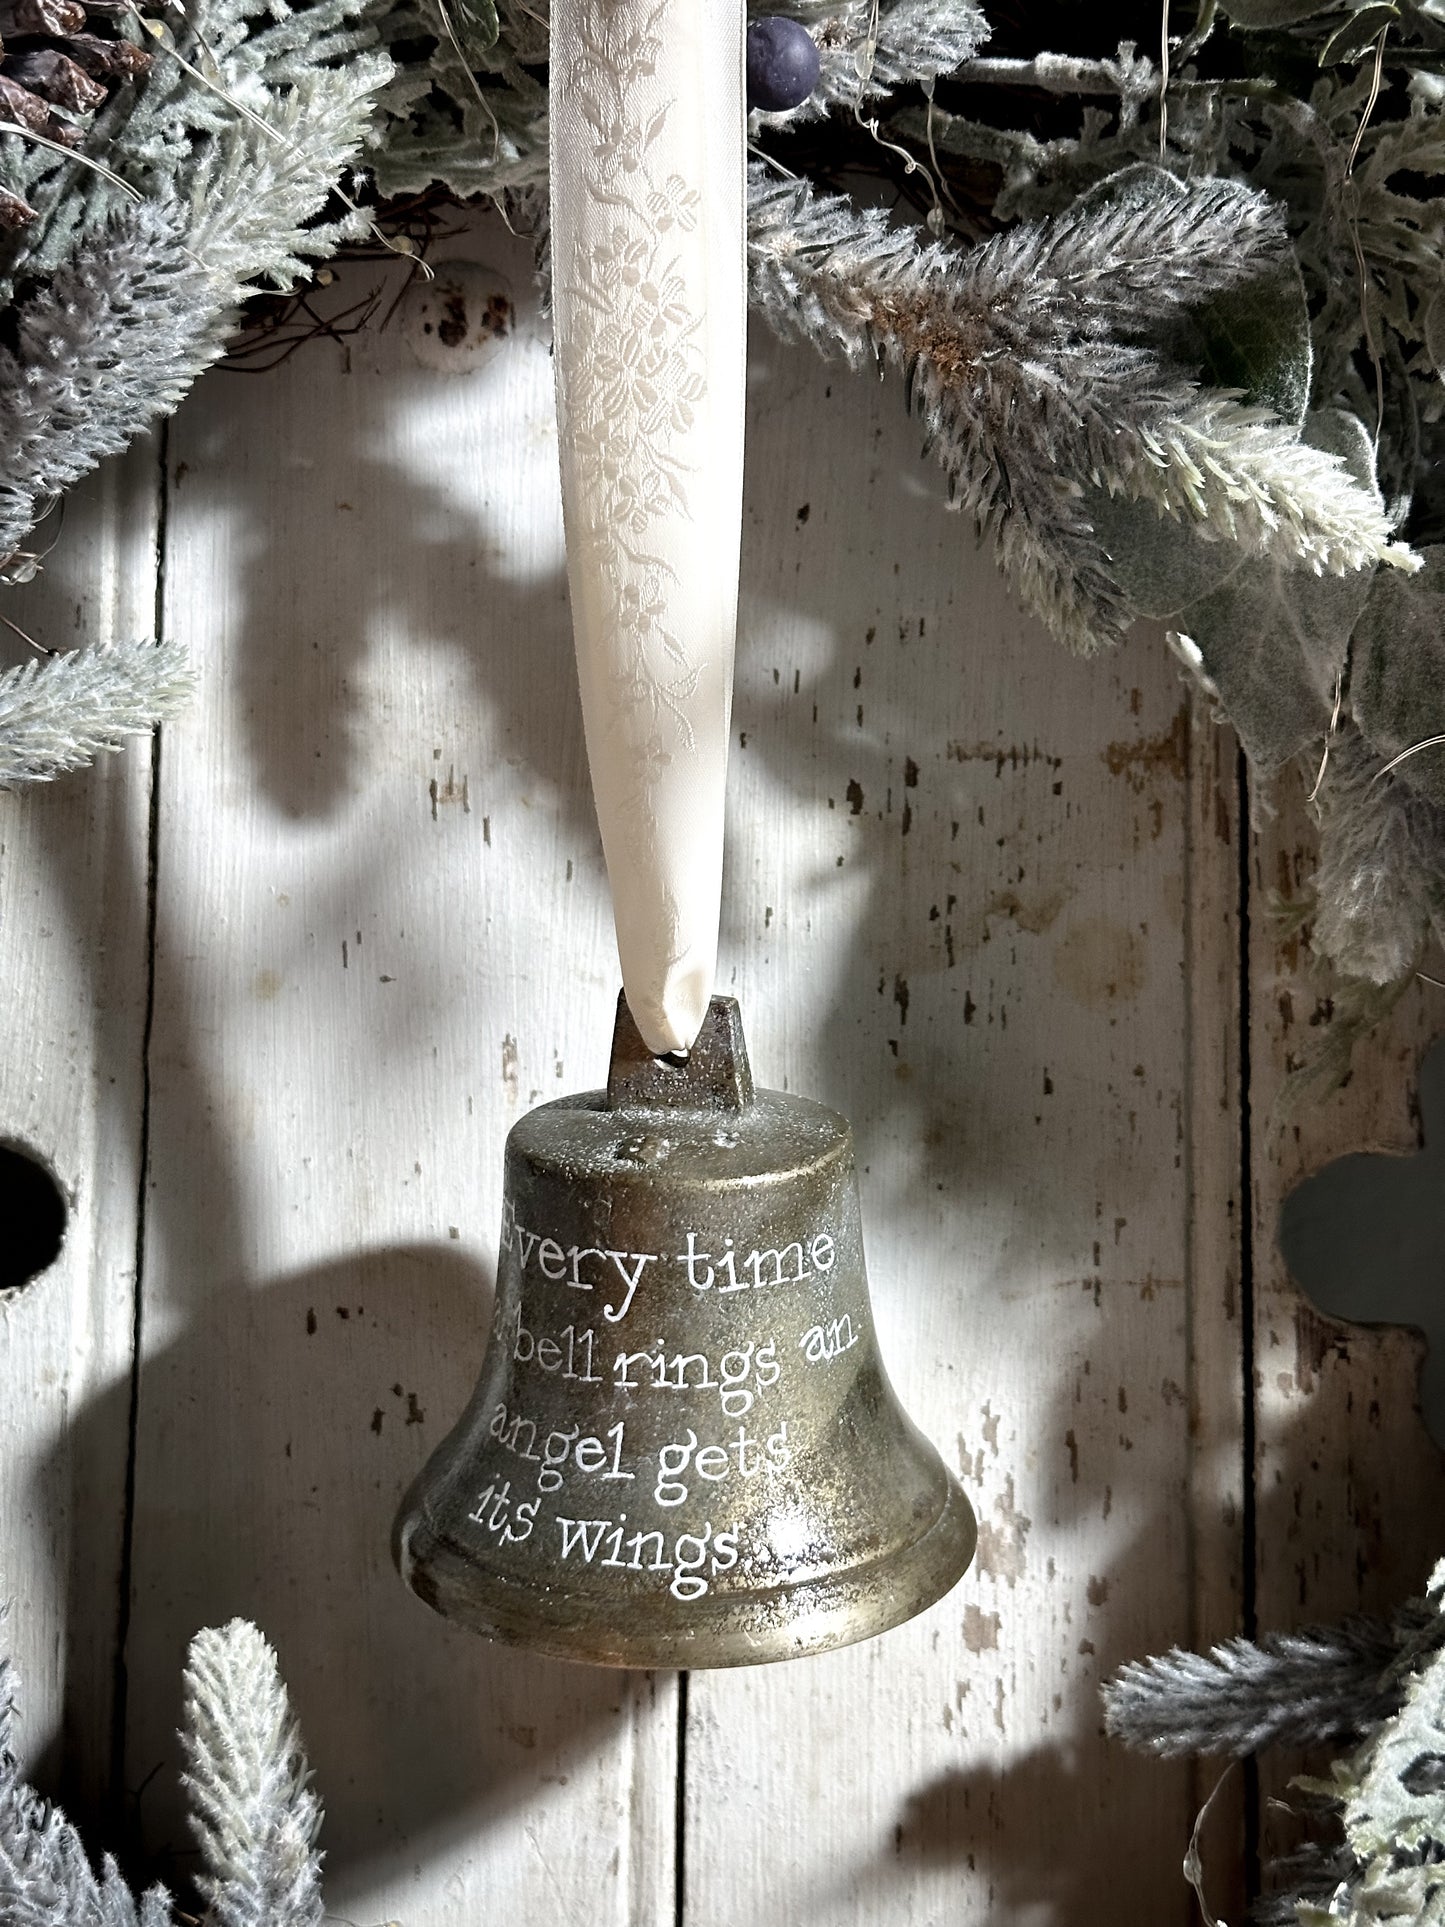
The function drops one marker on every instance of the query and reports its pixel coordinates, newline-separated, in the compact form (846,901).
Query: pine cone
(55,73)
(41,16)
(48,73)
(108,59)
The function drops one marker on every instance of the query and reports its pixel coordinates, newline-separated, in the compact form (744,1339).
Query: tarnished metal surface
(683,1449)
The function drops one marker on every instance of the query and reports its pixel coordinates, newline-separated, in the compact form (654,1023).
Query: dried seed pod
(58,17)
(108,59)
(23,108)
(14,213)
(53,76)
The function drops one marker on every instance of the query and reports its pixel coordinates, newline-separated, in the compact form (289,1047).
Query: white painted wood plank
(1350,1487)
(1214,1156)
(73,934)
(958,877)
(382,933)
(388,759)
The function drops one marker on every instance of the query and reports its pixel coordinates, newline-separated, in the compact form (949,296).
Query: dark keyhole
(32,1218)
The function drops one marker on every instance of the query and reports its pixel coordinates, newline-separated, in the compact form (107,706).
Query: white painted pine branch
(1025,363)
(45,1878)
(59,713)
(253,1809)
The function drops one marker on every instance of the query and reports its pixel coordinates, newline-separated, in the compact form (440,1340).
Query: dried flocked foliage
(46,1879)
(253,1810)
(1288,1689)
(1030,363)
(1198,372)
(1336,114)
(1380,1683)
(118,300)
(108,343)
(468,106)
(124,303)
(863,58)
(60,713)
(1391,1797)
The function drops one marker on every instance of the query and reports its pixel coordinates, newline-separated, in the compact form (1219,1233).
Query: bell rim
(536,1619)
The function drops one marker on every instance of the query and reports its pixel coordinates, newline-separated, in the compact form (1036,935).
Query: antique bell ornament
(683,1449)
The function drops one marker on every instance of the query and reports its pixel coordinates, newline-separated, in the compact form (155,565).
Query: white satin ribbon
(649,306)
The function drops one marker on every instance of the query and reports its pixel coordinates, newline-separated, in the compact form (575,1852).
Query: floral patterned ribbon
(647,133)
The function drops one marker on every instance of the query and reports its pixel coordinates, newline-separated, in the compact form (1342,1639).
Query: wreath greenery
(1174,325)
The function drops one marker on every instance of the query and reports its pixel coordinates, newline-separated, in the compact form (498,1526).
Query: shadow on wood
(251,1502)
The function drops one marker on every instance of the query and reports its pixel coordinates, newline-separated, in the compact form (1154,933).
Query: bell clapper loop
(683,1449)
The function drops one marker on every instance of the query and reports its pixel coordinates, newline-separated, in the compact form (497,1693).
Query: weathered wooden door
(280,985)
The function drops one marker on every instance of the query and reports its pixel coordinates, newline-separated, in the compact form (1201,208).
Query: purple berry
(782,64)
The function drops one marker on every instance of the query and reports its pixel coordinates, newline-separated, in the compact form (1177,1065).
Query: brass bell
(683,1449)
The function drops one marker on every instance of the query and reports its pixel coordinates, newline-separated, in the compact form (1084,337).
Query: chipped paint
(1001,1538)
(1166,755)
(980,1630)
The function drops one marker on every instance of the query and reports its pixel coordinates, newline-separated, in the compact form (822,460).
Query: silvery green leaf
(1161,565)
(1271,640)
(1271,13)
(1399,453)
(472,25)
(1427,504)
(1359,33)
(1140,181)
(1255,338)
(1338,432)
(1397,679)
(1252,336)
(1257,638)
(1433,330)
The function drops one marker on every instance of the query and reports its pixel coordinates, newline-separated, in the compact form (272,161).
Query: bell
(683,1449)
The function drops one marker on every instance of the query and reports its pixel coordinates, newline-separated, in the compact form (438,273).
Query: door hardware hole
(32,1219)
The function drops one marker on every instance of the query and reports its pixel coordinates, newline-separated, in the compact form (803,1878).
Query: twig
(1429,742)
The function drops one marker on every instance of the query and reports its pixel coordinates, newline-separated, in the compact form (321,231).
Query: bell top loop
(713,1076)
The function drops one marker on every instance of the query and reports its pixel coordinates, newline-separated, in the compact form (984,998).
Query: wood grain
(380,933)
(73,925)
(959,872)
(1349,1485)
